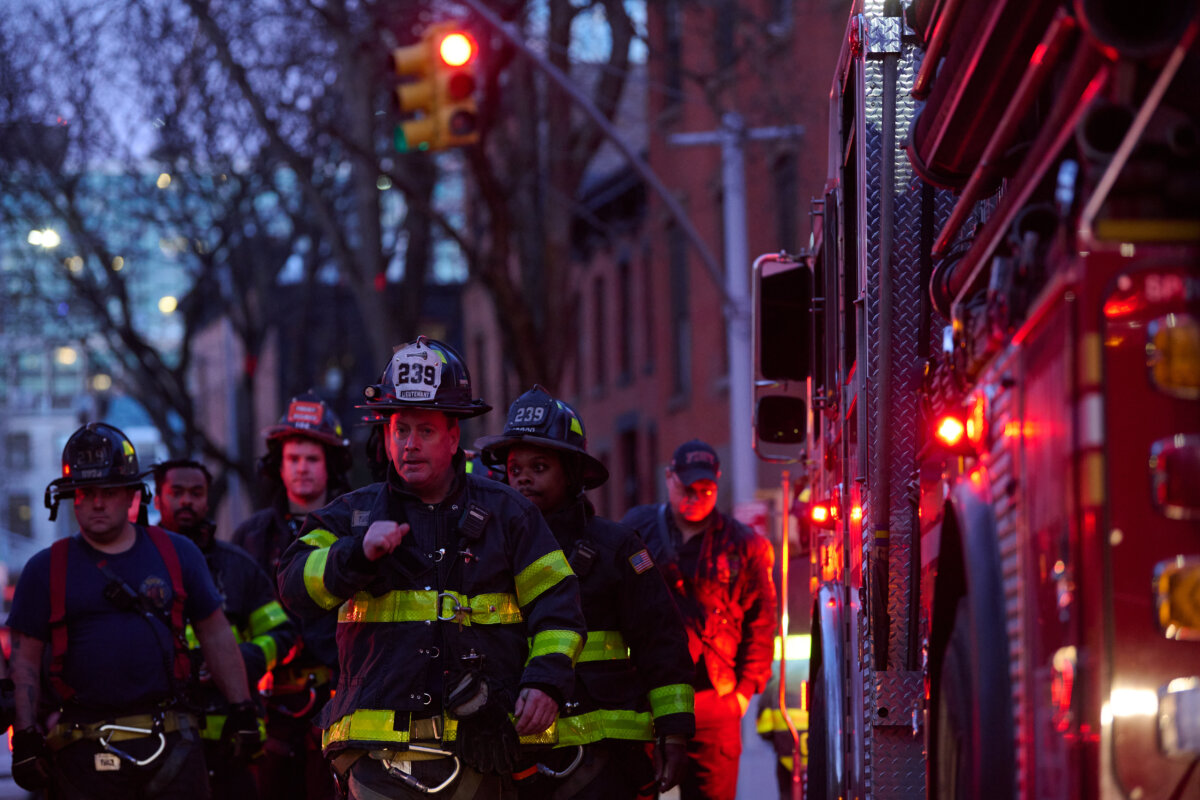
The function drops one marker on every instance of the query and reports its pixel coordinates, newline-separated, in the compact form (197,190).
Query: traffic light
(440,93)
(457,58)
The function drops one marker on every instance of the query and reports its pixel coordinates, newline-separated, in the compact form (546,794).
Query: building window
(681,325)
(785,180)
(625,321)
(31,373)
(17,450)
(673,49)
(20,514)
(649,307)
(725,23)
(599,340)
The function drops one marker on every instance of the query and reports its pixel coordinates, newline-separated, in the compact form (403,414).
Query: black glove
(488,741)
(30,759)
(240,734)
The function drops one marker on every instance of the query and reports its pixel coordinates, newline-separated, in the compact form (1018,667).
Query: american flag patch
(360,518)
(641,561)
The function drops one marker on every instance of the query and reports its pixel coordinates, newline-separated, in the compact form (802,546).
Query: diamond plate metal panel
(895,761)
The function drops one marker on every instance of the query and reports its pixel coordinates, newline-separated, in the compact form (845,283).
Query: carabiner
(549,773)
(458,607)
(106,732)
(409,780)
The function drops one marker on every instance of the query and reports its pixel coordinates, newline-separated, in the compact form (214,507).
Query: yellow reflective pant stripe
(266,617)
(314,579)
(603,646)
(545,643)
(675,698)
(605,724)
(541,575)
(497,608)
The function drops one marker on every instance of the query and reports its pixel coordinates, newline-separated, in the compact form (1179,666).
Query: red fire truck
(988,361)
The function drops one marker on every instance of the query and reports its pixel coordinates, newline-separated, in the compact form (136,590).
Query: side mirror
(783,330)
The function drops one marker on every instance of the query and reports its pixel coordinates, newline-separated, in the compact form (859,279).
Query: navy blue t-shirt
(115,659)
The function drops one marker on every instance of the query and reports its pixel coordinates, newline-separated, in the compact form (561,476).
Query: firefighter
(457,612)
(633,679)
(260,625)
(110,606)
(307,460)
(720,574)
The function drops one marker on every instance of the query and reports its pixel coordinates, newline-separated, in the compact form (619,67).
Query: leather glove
(30,759)
(670,757)
(488,741)
(240,735)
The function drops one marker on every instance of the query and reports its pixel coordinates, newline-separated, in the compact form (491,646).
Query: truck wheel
(955,742)
(818,739)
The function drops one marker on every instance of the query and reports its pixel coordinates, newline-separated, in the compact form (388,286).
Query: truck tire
(954,734)
(818,739)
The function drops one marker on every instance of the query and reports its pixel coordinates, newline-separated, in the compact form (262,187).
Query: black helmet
(538,419)
(308,416)
(96,455)
(423,374)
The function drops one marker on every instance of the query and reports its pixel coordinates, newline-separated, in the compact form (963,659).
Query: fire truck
(987,362)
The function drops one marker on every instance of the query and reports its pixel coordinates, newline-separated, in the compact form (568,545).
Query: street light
(45,238)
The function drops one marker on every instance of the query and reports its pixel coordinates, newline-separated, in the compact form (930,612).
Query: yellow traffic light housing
(439,96)
(457,58)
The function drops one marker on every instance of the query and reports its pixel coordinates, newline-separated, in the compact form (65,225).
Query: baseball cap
(695,461)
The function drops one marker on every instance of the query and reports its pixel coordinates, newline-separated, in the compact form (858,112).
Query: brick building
(651,367)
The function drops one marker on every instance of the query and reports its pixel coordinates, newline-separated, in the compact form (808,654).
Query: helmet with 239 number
(425,374)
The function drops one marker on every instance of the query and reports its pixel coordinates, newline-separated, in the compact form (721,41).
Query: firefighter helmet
(424,374)
(309,417)
(99,455)
(537,419)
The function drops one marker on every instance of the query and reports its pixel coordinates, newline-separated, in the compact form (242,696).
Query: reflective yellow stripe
(605,724)
(771,720)
(319,538)
(604,646)
(541,575)
(379,726)
(421,606)
(193,642)
(314,579)
(366,725)
(265,617)
(545,643)
(269,649)
(675,698)
(215,723)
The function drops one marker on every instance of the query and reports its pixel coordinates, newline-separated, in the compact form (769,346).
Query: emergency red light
(856,513)
(950,431)
(823,515)
(456,49)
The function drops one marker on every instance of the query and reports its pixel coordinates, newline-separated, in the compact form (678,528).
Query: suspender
(58,608)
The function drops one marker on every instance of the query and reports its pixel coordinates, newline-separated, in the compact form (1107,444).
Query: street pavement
(756,776)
